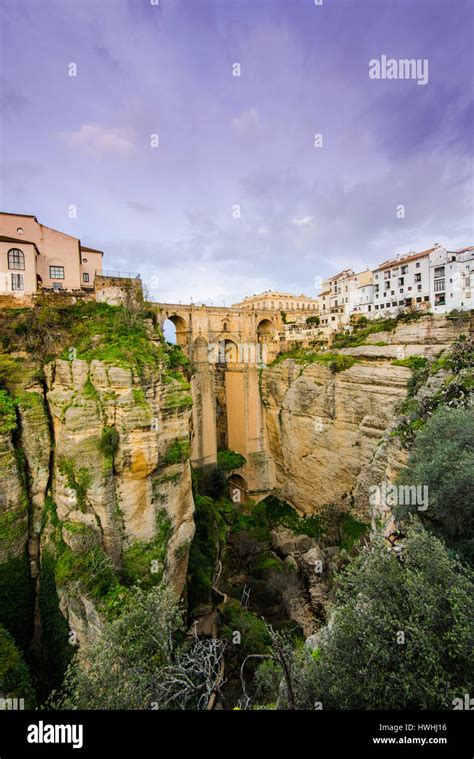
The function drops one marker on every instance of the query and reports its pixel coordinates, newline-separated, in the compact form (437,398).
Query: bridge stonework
(227,348)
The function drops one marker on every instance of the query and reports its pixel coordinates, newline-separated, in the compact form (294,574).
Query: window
(439,285)
(417,264)
(418,300)
(404,269)
(57,286)
(56,272)
(400,302)
(17,282)
(85,277)
(426,298)
(16,259)
(418,277)
(439,271)
(418,288)
(401,281)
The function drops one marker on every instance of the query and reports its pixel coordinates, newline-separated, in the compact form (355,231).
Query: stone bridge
(227,348)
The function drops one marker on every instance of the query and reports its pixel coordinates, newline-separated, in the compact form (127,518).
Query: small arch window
(16,259)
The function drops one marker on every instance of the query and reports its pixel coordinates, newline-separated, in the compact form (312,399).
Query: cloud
(247,124)
(98,139)
(303,221)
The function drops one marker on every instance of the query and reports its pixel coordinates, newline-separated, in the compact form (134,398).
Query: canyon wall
(96,478)
(324,429)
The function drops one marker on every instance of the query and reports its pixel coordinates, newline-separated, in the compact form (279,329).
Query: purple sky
(305,212)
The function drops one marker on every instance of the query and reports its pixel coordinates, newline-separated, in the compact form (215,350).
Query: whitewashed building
(402,282)
(451,279)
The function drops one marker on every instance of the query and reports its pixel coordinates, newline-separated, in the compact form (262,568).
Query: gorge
(126,461)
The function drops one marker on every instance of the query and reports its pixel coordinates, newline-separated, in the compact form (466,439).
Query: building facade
(295,307)
(402,282)
(451,279)
(35,258)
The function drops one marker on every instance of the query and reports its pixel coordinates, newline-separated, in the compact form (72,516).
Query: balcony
(111,274)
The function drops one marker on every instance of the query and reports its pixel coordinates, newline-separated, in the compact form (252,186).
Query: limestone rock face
(125,493)
(102,477)
(329,434)
(323,427)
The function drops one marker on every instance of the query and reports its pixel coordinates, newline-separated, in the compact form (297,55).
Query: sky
(236,195)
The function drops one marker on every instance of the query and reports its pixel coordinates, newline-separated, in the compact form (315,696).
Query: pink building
(35,258)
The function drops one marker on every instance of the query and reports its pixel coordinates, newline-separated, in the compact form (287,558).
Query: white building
(451,279)
(364,301)
(402,282)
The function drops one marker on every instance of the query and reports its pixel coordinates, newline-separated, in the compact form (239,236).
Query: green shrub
(363,664)
(109,441)
(442,458)
(229,460)
(15,680)
(177,452)
(340,363)
(78,480)
(7,412)
(144,563)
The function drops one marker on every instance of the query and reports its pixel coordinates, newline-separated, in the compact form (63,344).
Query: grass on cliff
(86,330)
(336,362)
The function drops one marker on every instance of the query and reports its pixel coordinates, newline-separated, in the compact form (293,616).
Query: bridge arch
(238,488)
(265,329)
(181,327)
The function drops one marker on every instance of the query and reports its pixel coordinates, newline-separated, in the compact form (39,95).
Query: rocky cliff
(95,479)
(325,422)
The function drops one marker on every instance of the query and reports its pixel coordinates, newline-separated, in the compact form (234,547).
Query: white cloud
(303,221)
(247,124)
(98,139)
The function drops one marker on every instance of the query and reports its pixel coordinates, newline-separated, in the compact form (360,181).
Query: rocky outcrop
(322,426)
(329,433)
(121,457)
(95,472)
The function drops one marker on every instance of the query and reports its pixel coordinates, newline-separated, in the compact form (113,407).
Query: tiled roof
(403,259)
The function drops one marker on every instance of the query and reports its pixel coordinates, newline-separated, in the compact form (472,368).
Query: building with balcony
(451,279)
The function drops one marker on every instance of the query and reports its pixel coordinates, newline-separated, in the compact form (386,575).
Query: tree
(401,633)
(195,677)
(15,681)
(443,460)
(122,669)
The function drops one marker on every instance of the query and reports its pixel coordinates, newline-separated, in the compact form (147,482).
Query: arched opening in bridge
(265,330)
(175,330)
(228,352)
(237,489)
